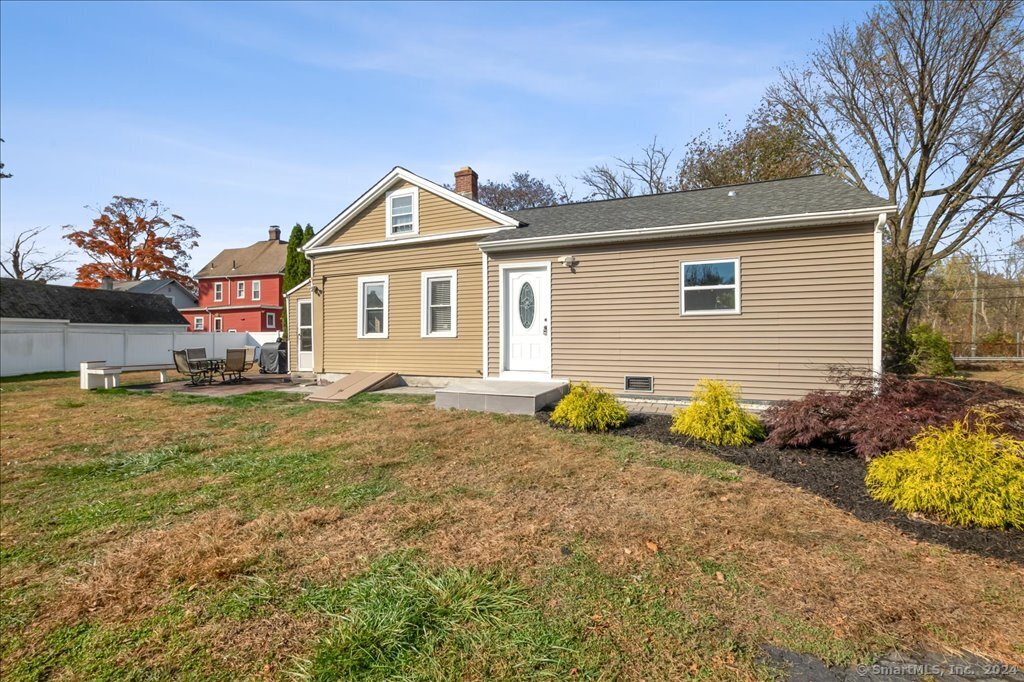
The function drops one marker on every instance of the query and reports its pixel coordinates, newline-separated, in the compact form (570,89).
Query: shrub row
(947,457)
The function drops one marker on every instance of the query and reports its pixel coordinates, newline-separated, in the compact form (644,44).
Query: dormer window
(403,212)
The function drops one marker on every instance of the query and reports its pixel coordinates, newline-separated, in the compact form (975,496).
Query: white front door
(305,336)
(527,318)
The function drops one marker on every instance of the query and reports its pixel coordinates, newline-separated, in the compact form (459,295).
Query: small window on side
(198,324)
(218,291)
(271,320)
(240,292)
(373,307)
(402,212)
(438,300)
(709,287)
(256,290)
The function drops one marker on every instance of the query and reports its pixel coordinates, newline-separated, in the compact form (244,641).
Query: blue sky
(239,116)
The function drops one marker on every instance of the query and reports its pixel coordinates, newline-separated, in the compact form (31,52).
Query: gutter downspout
(876,303)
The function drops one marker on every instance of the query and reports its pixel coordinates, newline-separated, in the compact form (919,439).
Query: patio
(254,382)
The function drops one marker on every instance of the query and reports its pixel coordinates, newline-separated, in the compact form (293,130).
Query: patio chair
(197,374)
(250,360)
(234,365)
(193,354)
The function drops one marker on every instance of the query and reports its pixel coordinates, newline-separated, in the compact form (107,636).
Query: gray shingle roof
(144,286)
(36,301)
(795,196)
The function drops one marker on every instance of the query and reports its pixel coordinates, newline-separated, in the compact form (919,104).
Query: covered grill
(274,358)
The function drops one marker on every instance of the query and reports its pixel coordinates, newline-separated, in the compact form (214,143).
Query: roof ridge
(678,191)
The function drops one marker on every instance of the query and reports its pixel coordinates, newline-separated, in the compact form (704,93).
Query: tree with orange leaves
(134,239)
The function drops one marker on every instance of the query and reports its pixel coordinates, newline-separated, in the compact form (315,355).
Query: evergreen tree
(296,267)
(305,238)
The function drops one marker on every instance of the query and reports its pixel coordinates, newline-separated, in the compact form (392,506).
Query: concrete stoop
(499,395)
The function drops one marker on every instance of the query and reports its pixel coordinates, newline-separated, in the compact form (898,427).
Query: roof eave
(694,229)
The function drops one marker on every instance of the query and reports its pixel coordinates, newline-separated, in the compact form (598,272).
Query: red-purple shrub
(867,423)
(812,422)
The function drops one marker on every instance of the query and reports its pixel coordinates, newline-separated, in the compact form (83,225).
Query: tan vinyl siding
(806,305)
(436,214)
(291,306)
(338,350)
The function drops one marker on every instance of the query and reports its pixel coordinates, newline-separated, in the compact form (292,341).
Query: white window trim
(271,320)
(425,277)
(218,291)
(414,192)
(255,290)
(360,283)
(683,288)
(218,324)
(198,323)
(240,290)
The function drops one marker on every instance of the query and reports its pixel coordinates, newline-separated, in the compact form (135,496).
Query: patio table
(209,364)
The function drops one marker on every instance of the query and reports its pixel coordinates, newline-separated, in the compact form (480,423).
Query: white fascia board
(399,173)
(717,227)
(297,287)
(387,243)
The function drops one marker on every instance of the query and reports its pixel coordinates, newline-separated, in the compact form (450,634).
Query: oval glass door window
(526,306)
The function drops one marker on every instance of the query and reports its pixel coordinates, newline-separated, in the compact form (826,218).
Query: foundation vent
(638,384)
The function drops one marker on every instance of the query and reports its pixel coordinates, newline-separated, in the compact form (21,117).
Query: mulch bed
(840,480)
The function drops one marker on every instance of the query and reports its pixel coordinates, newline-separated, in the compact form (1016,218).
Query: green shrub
(586,408)
(931,354)
(967,473)
(997,344)
(715,415)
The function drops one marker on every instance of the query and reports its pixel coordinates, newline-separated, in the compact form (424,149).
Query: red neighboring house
(240,289)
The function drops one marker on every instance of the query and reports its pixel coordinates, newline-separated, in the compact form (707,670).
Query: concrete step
(499,395)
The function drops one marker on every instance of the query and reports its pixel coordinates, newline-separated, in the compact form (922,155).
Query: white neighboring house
(179,295)
(45,327)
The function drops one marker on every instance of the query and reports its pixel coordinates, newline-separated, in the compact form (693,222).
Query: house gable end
(438,212)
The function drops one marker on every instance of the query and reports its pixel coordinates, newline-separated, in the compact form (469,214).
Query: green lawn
(163,536)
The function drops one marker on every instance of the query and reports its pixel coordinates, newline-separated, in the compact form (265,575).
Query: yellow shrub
(715,415)
(586,408)
(966,473)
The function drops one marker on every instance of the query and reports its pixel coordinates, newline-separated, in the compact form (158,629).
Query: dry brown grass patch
(140,573)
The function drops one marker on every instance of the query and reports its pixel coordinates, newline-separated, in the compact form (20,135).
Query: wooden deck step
(354,384)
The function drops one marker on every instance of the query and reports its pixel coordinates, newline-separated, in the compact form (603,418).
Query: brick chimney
(275,233)
(466,182)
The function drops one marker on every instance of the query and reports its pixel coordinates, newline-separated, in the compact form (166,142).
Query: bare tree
(25,259)
(521,191)
(646,173)
(3,176)
(923,103)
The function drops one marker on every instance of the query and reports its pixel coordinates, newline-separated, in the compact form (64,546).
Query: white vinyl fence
(29,346)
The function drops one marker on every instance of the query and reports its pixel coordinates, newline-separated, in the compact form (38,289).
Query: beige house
(767,284)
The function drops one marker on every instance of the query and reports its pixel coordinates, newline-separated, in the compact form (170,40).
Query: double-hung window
(198,323)
(403,212)
(271,320)
(438,299)
(373,307)
(218,291)
(710,287)
(240,292)
(255,290)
